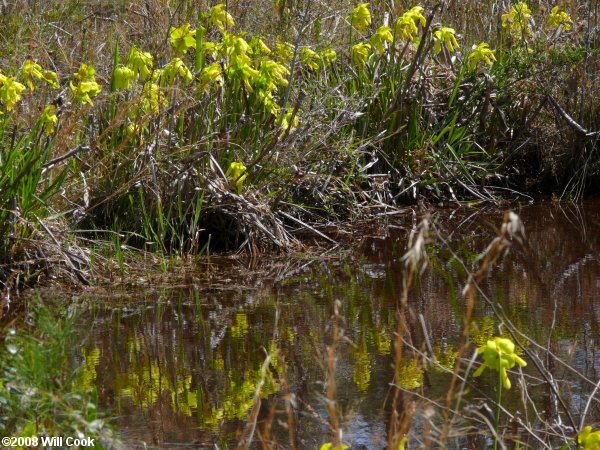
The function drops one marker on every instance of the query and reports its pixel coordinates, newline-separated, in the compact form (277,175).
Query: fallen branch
(571,122)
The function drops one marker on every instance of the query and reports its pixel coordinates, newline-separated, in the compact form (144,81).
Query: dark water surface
(179,367)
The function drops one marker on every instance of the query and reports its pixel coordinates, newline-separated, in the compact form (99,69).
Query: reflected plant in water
(330,446)
(362,365)
(410,375)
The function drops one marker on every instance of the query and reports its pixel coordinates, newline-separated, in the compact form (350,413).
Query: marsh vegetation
(140,139)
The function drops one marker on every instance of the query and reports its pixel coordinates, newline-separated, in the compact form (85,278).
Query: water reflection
(182,367)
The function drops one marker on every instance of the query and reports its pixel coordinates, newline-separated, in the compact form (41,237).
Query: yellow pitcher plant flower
(588,439)
(152,99)
(445,36)
(481,52)
(272,75)
(241,70)
(219,16)
(122,77)
(87,88)
(173,68)
(267,99)
(517,20)
(381,36)
(183,38)
(33,70)
(10,91)
(237,174)
(361,17)
(49,119)
(233,45)
(558,18)
(258,46)
(360,54)
(284,51)
(499,354)
(212,74)
(30,71)
(310,58)
(406,26)
(140,62)
(328,56)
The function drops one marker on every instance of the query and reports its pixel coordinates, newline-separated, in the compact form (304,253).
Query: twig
(66,156)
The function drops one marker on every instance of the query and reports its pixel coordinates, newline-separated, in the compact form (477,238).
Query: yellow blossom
(328,56)
(361,17)
(33,70)
(237,174)
(174,67)
(481,52)
(87,88)
(445,36)
(383,35)
(122,76)
(284,52)
(588,439)
(10,91)
(360,54)
(140,62)
(309,58)
(558,18)
(517,20)
(152,99)
(407,24)
(211,74)
(183,38)
(258,46)
(220,17)
(49,119)
(499,354)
